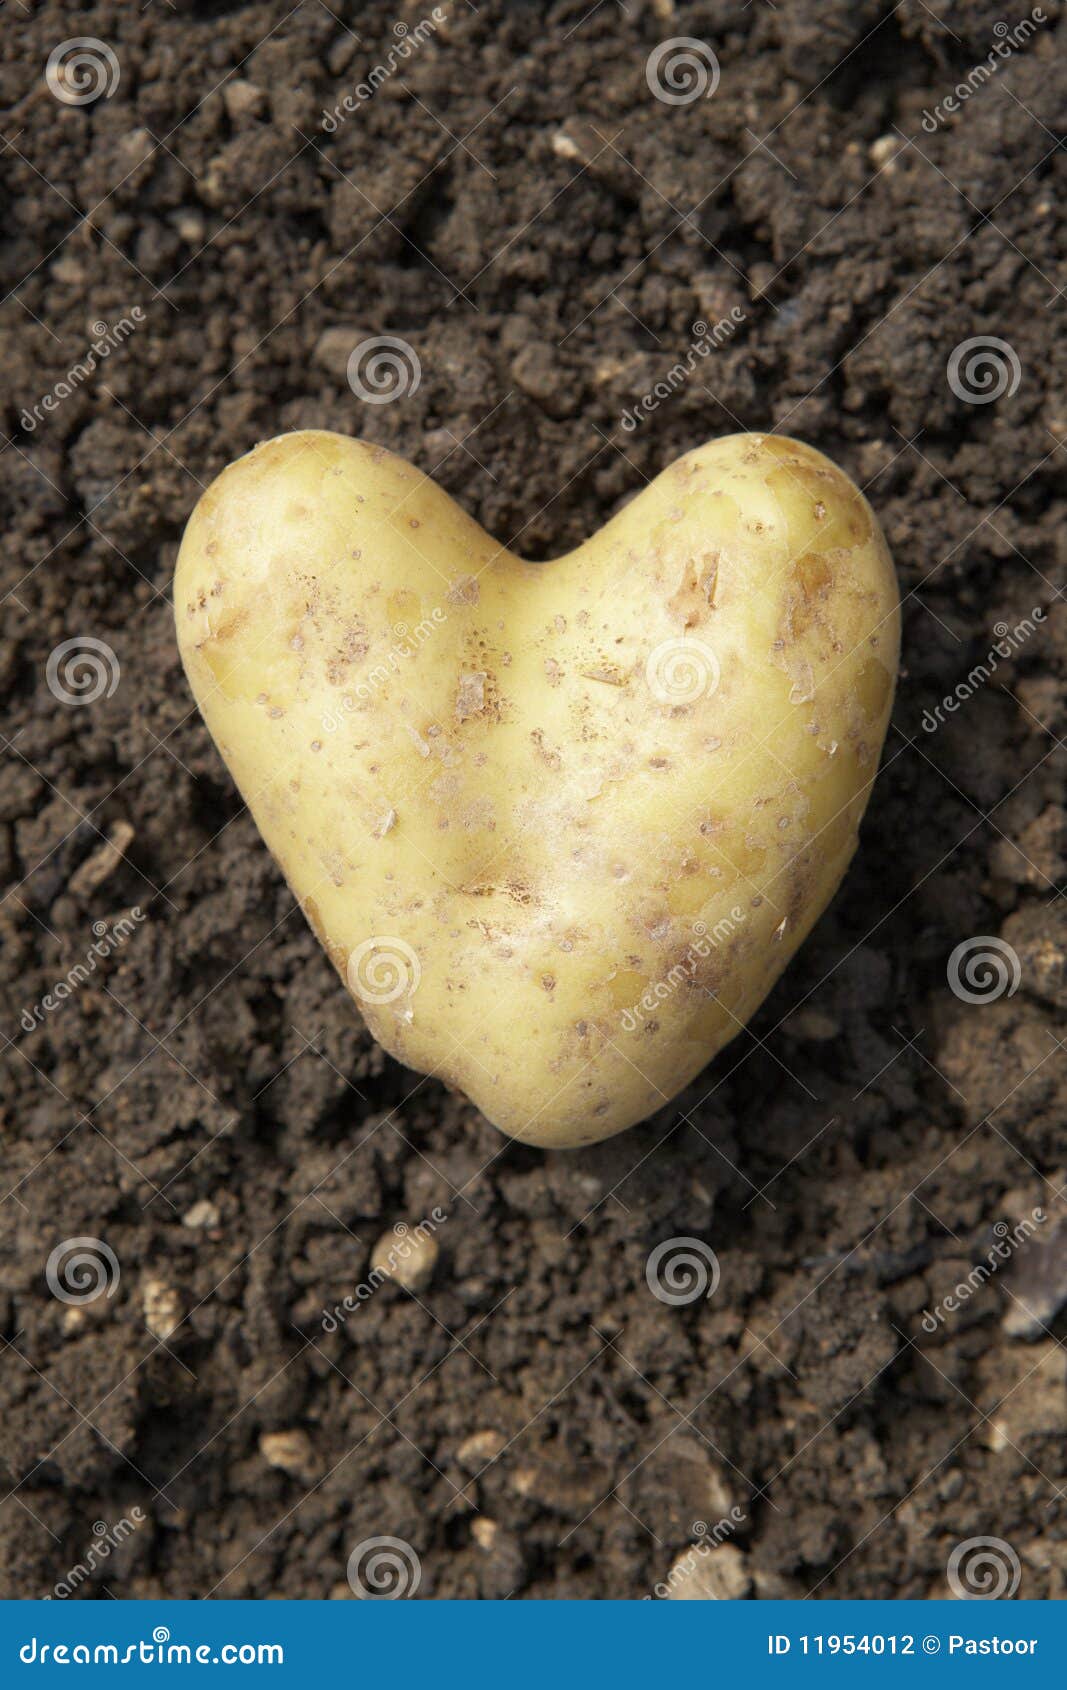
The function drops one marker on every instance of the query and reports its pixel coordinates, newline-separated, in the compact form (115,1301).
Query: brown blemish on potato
(695,596)
(871,689)
(470,696)
(545,752)
(354,646)
(227,628)
(311,915)
(813,578)
(609,673)
(478,816)
(464,591)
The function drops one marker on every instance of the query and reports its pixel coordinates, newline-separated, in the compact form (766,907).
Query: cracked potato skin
(559,826)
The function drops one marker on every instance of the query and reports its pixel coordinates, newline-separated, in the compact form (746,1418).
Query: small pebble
(291,1452)
(202,1216)
(162,1308)
(242,99)
(406,1256)
(480,1449)
(103,861)
(883,151)
(333,349)
(709,1574)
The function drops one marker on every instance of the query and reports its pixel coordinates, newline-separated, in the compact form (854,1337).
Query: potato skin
(559,826)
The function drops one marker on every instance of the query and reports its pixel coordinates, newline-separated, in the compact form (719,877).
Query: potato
(559,826)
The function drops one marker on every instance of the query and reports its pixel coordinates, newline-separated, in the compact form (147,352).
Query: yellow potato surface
(559,826)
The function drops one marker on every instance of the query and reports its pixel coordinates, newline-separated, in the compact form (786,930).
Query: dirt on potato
(189,1103)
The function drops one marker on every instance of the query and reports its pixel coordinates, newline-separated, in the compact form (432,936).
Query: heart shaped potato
(559,826)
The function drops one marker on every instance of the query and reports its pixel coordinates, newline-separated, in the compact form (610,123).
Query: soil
(517,205)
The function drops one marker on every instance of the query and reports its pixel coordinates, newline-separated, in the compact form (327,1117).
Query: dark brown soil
(517,205)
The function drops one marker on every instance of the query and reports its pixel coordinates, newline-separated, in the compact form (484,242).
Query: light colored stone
(484,1531)
(814,1024)
(334,348)
(202,1216)
(162,1308)
(480,1449)
(407,1256)
(242,99)
(707,1574)
(190,225)
(103,861)
(292,1452)
(135,147)
(1035,1405)
(883,151)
